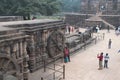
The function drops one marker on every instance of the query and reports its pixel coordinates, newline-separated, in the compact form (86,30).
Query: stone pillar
(17,50)
(25,64)
(44,35)
(8,50)
(1,75)
(13,50)
(31,47)
(14,47)
(21,50)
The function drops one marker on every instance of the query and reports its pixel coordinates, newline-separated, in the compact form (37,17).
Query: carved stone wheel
(8,65)
(55,44)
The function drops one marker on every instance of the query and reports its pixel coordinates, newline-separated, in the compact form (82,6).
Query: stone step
(9,34)
(12,31)
(98,18)
(14,38)
(110,25)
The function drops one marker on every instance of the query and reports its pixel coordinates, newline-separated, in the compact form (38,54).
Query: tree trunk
(24,18)
(28,16)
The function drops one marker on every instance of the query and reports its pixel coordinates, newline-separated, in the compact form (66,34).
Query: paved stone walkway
(84,64)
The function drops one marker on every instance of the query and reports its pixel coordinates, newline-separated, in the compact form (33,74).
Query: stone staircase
(98,18)
(106,23)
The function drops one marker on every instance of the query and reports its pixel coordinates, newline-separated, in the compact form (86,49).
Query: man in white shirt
(106,58)
(119,29)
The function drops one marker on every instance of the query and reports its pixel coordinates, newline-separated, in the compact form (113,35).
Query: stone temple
(25,45)
(106,6)
(96,12)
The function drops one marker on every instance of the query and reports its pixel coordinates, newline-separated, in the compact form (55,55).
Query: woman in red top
(66,55)
(100,57)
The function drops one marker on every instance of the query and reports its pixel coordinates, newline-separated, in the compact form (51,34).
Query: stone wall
(79,20)
(105,6)
(76,19)
(112,19)
(93,23)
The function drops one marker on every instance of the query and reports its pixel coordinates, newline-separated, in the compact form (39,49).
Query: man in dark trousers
(109,44)
(108,28)
(118,51)
(106,58)
(69,29)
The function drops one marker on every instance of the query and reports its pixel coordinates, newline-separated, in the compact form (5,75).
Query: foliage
(44,7)
(71,5)
(49,7)
(27,7)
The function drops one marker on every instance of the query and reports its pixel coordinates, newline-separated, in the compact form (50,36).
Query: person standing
(69,29)
(103,36)
(118,51)
(109,44)
(79,32)
(106,58)
(97,29)
(108,28)
(119,29)
(100,57)
(66,55)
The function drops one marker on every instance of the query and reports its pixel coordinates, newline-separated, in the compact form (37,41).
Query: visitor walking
(109,44)
(100,57)
(103,36)
(106,58)
(66,55)
(108,28)
(119,29)
(79,31)
(69,29)
(97,29)
(118,51)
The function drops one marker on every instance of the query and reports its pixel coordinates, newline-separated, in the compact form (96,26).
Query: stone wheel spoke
(8,66)
(56,41)
(7,63)
(11,72)
(1,62)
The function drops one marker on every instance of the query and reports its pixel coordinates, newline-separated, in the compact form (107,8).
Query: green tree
(70,5)
(27,7)
(7,7)
(49,7)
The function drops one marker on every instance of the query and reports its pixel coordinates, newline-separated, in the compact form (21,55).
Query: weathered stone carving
(105,6)
(55,44)
(8,66)
(26,42)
